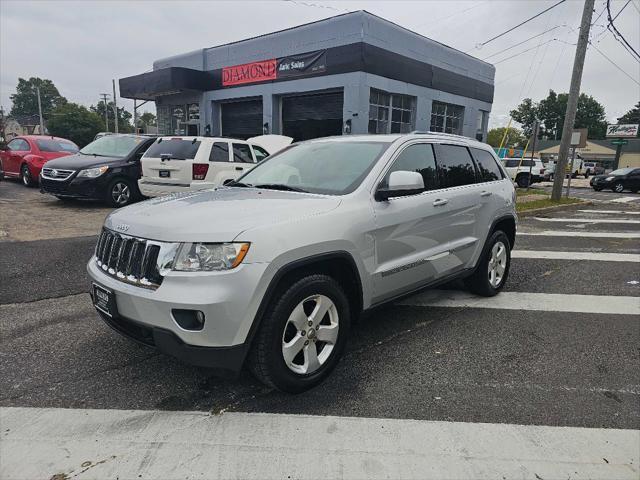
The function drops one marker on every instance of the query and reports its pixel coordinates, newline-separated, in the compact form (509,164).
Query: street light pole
(115,106)
(572,102)
(40,112)
(106,111)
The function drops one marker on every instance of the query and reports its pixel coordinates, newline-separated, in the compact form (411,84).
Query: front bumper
(76,187)
(601,182)
(229,301)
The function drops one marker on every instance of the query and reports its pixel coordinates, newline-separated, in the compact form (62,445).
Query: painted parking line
(566,233)
(161,444)
(610,212)
(544,302)
(625,199)
(590,256)
(587,220)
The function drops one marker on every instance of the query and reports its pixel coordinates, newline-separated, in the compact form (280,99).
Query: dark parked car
(107,169)
(618,180)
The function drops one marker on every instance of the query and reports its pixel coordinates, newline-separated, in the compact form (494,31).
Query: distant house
(16,125)
(596,151)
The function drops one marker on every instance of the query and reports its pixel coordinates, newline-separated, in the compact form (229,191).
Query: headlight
(608,179)
(93,172)
(208,257)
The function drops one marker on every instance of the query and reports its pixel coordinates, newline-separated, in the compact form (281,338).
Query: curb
(569,206)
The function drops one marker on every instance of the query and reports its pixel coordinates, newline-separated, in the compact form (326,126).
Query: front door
(412,232)
(12,158)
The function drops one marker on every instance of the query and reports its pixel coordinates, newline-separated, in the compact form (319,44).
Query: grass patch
(545,202)
(532,191)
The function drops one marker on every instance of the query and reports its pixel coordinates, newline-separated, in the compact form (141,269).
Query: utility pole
(572,102)
(115,107)
(105,96)
(40,112)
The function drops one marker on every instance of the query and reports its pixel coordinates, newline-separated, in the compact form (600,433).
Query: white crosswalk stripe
(40,443)
(588,256)
(610,212)
(587,220)
(625,199)
(573,233)
(546,302)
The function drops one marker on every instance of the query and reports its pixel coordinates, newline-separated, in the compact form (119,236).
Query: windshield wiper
(238,184)
(280,186)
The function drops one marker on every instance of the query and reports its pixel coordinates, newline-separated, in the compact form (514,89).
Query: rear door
(220,161)
(243,159)
(170,160)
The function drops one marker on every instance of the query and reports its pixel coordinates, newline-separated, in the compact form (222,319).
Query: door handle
(239,168)
(440,201)
(486,194)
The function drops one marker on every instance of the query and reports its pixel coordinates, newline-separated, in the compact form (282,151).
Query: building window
(480,123)
(391,112)
(446,118)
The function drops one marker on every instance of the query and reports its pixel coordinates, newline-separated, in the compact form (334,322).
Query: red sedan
(24,156)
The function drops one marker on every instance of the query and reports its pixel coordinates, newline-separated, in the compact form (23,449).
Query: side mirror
(401,183)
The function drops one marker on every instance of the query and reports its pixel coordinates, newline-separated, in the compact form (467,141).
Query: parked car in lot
(275,266)
(107,169)
(179,164)
(524,171)
(592,168)
(24,156)
(618,180)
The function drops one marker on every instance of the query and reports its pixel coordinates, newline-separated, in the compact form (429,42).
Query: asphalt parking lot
(561,348)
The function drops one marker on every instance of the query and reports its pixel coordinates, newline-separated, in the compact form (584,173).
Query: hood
(215,215)
(78,161)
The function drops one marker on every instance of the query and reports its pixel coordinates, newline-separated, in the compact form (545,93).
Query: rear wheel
(586,174)
(523,181)
(618,187)
(493,268)
(25,176)
(302,334)
(120,193)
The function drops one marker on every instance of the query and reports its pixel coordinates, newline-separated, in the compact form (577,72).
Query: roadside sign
(619,141)
(626,130)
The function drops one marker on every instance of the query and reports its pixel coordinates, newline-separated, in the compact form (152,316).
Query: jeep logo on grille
(123,227)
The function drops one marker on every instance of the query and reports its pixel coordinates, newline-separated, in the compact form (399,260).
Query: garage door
(242,119)
(312,116)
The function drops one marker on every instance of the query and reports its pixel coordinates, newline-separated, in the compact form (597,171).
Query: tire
(618,187)
(293,373)
(634,190)
(25,176)
(574,174)
(120,193)
(586,174)
(480,282)
(523,181)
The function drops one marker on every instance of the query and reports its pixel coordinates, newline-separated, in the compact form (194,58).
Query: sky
(82,45)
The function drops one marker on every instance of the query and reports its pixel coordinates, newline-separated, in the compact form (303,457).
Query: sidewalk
(64,443)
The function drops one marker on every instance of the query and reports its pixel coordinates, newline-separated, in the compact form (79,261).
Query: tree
(632,116)
(514,139)
(75,122)
(25,100)
(124,117)
(148,118)
(550,112)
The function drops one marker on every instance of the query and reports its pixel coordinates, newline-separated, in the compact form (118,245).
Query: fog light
(189,319)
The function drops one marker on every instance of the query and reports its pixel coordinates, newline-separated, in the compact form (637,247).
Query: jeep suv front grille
(132,260)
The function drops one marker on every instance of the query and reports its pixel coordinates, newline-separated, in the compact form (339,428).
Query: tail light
(200,170)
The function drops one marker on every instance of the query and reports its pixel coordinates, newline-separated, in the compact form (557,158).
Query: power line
(614,64)
(520,43)
(480,45)
(611,24)
(525,51)
(446,17)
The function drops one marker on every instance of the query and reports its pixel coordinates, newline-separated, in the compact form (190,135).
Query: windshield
(621,171)
(112,146)
(52,145)
(331,168)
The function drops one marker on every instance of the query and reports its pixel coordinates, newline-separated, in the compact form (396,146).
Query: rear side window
(260,153)
(511,163)
(455,166)
(416,158)
(242,153)
(177,148)
(487,166)
(219,152)
(18,145)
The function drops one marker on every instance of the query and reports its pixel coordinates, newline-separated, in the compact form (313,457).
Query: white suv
(524,171)
(179,164)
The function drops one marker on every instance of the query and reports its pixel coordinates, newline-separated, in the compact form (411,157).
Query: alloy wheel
(26,176)
(497,264)
(121,193)
(310,334)
(618,187)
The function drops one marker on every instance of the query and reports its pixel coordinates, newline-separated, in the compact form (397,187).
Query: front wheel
(120,193)
(618,187)
(302,335)
(493,267)
(25,176)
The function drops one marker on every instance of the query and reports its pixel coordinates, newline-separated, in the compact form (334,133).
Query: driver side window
(416,158)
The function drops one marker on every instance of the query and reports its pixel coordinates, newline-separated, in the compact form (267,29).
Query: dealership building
(349,74)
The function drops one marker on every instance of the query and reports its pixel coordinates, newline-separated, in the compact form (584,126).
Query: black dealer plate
(104,300)
(165,173)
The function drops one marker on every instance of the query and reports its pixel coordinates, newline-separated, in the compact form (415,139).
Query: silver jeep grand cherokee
(274,268)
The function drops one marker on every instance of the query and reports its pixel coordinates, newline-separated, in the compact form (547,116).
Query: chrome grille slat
(56,173)
(129,259)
